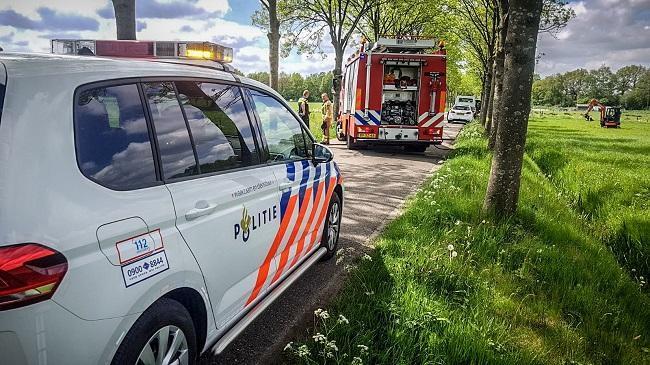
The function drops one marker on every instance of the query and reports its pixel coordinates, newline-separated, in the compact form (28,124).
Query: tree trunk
(499,60)
(125,18)
(490,106)
(485,93)
(521,41)
(338,76)
(274,44)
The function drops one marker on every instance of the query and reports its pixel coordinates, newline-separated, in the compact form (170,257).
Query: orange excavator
(610,116)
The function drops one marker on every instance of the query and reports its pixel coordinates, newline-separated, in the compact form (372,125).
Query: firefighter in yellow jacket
(327,112)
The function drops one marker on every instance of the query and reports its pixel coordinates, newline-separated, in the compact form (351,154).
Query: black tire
(331,246)
(164,312)
(339,132)
(351,143)
(416,148)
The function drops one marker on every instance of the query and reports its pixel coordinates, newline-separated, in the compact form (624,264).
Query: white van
(466,100)
(149,211)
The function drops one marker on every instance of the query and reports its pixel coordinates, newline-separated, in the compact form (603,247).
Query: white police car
(149,211)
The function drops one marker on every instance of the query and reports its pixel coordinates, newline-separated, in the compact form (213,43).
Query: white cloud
(614,33)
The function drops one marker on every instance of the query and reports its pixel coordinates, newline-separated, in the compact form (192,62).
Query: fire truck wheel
(416,148)
(351,143)
(332,228)
(339,133)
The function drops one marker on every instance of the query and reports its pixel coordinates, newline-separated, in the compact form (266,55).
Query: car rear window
(112,139)
(174,144)
(461,107)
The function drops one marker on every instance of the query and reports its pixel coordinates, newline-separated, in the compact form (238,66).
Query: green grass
(315,120)
(552,285)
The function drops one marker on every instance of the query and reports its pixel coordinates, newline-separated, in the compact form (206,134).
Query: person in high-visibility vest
(303,107)
(327,112)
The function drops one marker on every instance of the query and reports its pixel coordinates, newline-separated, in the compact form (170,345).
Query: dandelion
(342,319)
(450,247)
(454,254)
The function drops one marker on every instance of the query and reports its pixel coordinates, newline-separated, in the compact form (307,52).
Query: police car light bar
(143,49)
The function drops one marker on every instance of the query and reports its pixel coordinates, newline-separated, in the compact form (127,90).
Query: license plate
(367,135)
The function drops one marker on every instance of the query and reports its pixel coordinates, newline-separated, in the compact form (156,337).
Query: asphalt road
(377,182)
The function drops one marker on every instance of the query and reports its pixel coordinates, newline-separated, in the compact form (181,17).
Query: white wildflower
(450,247)
(319,338)
(289,346)
(303,351)
(454,254)
(356,361)
(366,257)
(342,319)
(363,349)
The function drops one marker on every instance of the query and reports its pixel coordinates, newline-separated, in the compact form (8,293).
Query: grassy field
(315,120)
(562,282)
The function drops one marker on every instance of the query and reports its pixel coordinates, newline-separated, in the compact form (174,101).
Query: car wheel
(332,228)
(164,334)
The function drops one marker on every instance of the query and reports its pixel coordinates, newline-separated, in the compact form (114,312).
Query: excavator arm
(590,107)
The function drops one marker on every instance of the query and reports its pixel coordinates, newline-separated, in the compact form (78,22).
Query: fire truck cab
(394,93)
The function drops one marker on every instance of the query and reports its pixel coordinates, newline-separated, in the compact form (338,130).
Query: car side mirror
(321,154)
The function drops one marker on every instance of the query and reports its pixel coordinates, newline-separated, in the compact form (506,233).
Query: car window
(176,152)
(219,124)
(461,107)
(112,139)
(285,138)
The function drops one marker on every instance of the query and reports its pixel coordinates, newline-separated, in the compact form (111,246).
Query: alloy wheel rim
(334,226)
(168,346)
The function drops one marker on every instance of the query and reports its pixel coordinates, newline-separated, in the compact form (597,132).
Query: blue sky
(605,32)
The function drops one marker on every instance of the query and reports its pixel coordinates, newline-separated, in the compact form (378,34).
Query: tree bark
(499,60)
(274,44)
(490,106)
(505,173)
(125,18)
(338,75)
(485,93)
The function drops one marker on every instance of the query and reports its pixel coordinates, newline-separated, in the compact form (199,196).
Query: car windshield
(461,107)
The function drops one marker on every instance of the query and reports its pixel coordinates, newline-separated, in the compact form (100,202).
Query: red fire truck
(394,93)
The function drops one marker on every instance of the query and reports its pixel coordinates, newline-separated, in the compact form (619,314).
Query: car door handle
(286,186)
(202,208)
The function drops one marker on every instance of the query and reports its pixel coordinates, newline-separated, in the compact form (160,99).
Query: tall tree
(310,21)
(267,18)
(520,45)
(495,108)
(125,18)
(397,18)
(477,29)
(554,16)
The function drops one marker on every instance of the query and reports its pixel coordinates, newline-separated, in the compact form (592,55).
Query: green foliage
(446,285)
(292,85)
(629,86)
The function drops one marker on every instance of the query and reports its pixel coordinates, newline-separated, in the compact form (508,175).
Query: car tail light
(361,129)
(29,273)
